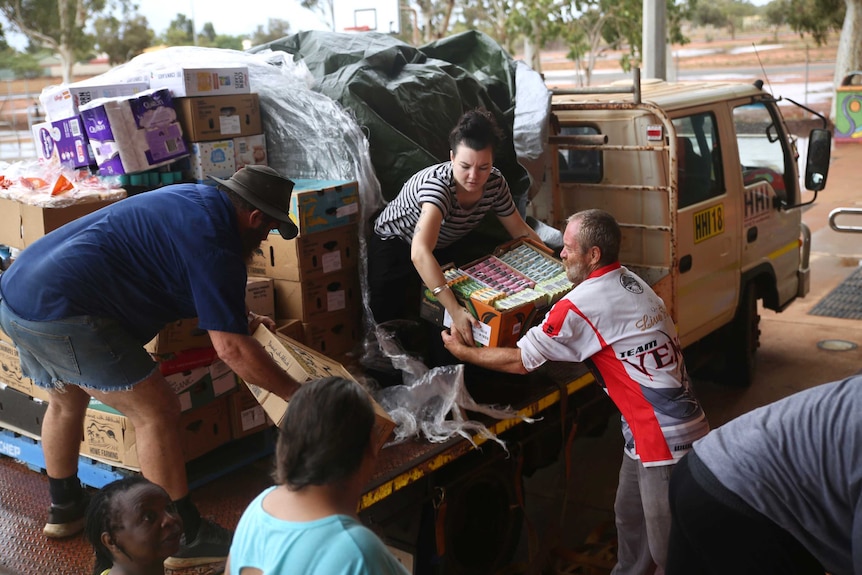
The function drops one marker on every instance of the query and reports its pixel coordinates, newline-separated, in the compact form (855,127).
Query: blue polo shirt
(145,261)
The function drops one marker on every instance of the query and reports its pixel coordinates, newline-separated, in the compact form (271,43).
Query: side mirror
(817,163)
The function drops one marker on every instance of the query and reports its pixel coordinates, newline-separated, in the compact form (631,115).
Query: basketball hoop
(357,29)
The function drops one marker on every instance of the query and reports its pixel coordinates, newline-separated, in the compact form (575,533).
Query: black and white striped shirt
(436,185)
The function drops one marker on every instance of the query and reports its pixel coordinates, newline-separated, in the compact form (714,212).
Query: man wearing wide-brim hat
(81,303)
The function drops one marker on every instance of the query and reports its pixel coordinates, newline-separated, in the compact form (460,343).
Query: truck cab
(703,179)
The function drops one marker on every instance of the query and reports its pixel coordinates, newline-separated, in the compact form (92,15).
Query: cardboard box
(187,81)
(184,335)
(10,367)
(23,224)
(307,256)
(312,298)
(260,296)
(317,205)
(178,336)
(20,412)
(250,150)
(214,158)
(303,365)
(109,435)
(333,334)
(523,258)
(498,329)
(134,133)
(199,386)
(65,140)
(290,328)
(247,416)
(209,118)
(64,101)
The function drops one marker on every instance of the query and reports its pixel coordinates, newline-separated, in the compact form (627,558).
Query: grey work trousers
(642,513)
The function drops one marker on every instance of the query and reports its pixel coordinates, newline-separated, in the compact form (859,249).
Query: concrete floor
(789,360)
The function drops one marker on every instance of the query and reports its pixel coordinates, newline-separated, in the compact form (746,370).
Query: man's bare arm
(505,359)
(247,358)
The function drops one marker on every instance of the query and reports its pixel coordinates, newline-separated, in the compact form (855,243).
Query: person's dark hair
(323,437)
(600,229)
(102,517)
(477,129)
(237,200)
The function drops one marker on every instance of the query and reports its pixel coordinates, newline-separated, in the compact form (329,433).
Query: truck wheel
(743,339)
(483,523)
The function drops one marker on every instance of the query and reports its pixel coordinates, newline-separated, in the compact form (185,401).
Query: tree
(326,9)
(122,41)
(207,35)
(588,27)
(276,28)
(819,17)
(436,16)
(777,14)
(4,46)
(22,64)
(180,32)
(538,22)
(57,25)
(722,14)
(490,17)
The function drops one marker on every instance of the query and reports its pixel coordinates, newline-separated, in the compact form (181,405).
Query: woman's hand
(462,323)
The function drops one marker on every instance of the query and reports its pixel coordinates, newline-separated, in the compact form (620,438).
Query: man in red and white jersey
(615,322)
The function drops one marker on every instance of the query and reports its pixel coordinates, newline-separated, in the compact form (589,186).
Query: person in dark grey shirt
(775,491)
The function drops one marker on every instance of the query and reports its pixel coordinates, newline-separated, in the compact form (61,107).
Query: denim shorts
(90,352)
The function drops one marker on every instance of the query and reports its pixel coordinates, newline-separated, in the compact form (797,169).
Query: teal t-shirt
(335,545)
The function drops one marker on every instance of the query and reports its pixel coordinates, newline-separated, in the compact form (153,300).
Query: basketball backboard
(367,16)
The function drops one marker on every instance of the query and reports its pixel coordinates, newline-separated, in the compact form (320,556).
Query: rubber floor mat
(24,503)
(845,301)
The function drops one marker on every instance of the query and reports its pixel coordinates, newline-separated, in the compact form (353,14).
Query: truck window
(760,151)
(580,165)
(698,159)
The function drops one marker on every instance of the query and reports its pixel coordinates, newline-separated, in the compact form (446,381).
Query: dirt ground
(710,48)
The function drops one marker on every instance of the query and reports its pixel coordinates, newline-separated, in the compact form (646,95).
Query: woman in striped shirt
(437,206)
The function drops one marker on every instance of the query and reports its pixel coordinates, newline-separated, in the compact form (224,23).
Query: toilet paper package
(134,133)
(64,140)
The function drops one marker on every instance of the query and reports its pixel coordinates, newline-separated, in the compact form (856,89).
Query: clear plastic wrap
(48,184)
(309,135)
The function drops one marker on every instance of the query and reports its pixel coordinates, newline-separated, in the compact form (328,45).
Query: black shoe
(67,519)
(211,545)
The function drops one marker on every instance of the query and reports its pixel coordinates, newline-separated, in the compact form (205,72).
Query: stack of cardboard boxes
(220,116)
(315,275)
(147,128)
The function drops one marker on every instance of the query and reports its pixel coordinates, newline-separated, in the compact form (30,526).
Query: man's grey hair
(598,229)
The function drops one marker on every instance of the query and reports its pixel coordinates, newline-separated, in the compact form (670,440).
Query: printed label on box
(336,300)
(252,417)
(230,125)
(345,211)
(481,332)
(331,262)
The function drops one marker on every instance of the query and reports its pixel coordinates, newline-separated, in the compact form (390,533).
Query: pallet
(28,451)
(94,473)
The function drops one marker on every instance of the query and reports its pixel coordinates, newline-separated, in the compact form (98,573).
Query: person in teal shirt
(307,522)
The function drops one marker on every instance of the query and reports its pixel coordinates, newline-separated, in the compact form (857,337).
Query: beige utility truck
(703,179)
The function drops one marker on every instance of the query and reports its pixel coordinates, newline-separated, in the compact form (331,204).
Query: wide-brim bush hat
(268,191)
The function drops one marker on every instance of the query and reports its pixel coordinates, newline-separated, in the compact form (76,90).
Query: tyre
(742,341)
